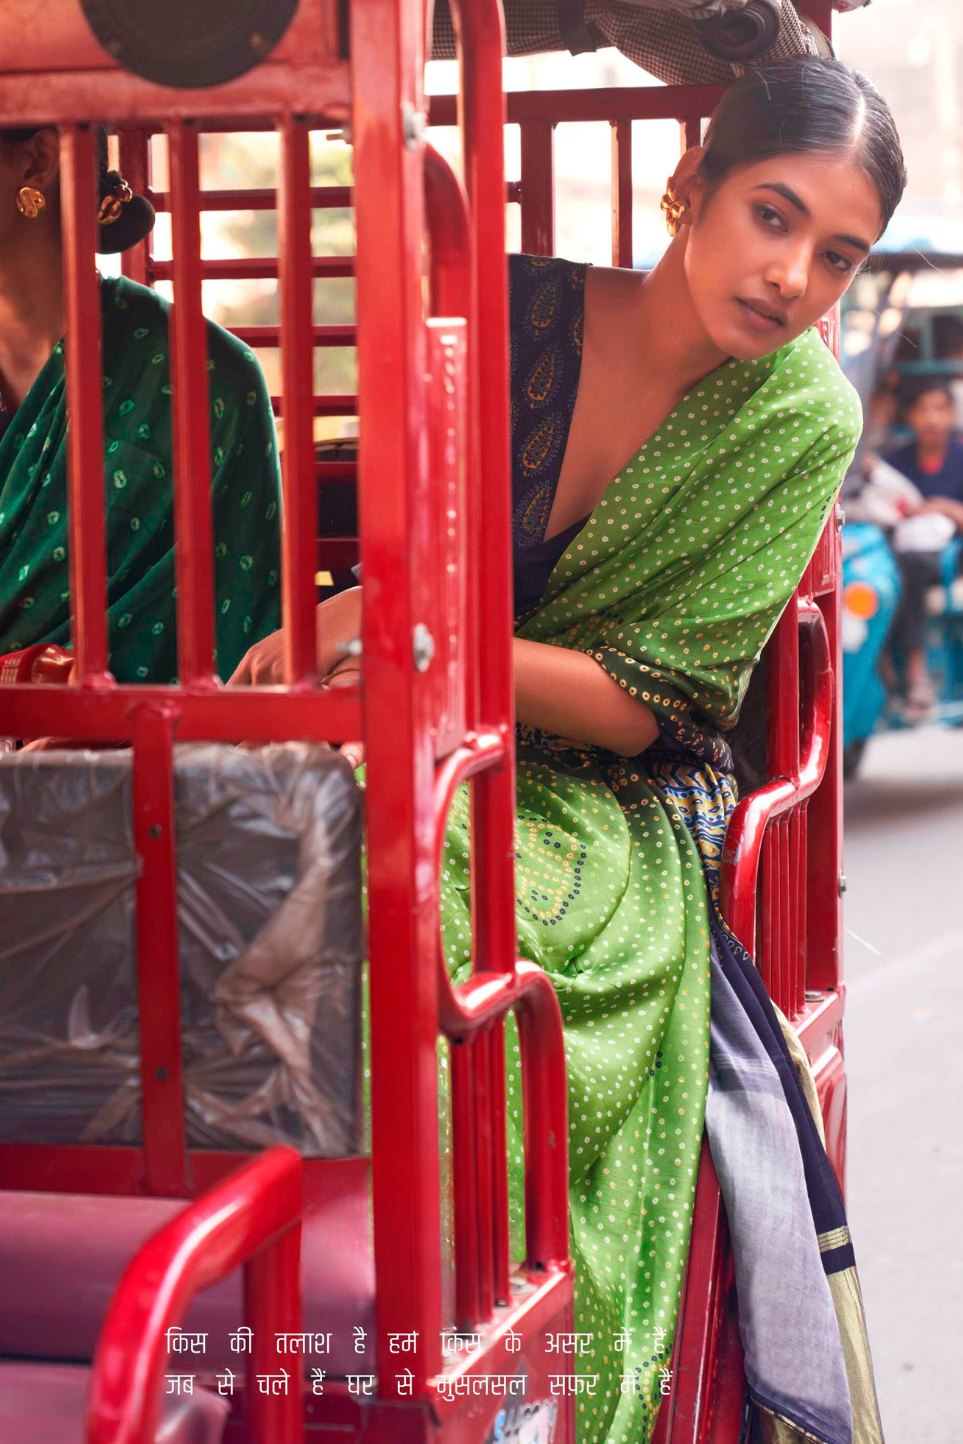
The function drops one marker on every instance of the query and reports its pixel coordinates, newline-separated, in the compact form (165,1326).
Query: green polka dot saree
(673,585)
(34,590)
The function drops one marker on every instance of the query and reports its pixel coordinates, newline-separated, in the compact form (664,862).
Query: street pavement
(903,1036)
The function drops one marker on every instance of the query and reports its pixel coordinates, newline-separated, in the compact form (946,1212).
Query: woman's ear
(38,159)
(686,182)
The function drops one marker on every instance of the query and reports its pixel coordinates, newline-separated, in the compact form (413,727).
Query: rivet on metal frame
(423,648)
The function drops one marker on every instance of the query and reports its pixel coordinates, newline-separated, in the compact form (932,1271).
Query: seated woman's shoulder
(136,316)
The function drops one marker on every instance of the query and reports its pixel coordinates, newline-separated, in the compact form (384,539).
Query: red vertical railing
(538,186)
(300,511)
(133,148)
(622,193)
(192,440)
(85,486)
(158,954)
(393,452)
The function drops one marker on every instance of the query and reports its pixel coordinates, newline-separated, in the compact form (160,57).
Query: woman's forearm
(337,621)
(568,694)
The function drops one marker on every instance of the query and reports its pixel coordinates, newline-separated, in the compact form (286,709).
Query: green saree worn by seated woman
(34,589)
(673,585)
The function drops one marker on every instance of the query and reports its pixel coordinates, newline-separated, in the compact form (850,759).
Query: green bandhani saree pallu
(34,588)
(673,585)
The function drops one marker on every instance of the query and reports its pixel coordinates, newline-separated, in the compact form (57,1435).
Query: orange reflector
(861,599)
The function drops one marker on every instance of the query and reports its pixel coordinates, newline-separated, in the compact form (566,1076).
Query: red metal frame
(251,1218)
(423,386)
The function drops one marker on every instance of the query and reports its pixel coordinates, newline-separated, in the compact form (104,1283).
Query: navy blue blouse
(546,323)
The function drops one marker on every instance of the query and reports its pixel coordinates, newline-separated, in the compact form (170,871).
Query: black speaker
(189,43)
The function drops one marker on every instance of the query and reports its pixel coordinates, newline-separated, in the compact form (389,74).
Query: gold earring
(30,202)
(673,207)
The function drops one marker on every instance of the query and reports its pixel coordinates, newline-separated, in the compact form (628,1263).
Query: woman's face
(772,247)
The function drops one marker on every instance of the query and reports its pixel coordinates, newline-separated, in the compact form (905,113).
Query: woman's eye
(770,217)
(839,262)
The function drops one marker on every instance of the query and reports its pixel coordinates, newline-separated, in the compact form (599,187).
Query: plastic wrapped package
(270,942)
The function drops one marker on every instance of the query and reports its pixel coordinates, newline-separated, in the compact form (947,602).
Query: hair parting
(802,106)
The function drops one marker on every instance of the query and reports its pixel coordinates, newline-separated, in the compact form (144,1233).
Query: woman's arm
(338,620)
(569,694)
(560,691)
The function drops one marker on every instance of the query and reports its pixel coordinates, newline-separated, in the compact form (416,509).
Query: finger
(353,752)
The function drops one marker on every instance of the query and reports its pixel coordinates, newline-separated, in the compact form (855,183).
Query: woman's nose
(790,274)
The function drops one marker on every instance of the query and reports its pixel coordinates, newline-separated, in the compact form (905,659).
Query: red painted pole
(300,511)
(158,961)
(192,436)
(85,456)
(622,193)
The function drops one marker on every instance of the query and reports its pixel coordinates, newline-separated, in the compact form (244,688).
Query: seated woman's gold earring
(30,202)
(674,208)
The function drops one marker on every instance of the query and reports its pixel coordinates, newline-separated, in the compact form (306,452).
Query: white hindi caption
(450,1386)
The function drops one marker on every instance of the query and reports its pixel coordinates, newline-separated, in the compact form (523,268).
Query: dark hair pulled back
(801,106)
(136,217)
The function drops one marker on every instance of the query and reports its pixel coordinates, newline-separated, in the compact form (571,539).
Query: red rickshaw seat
(47,1404)
(62,1256)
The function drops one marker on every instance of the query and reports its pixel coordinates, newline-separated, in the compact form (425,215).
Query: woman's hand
(338,620)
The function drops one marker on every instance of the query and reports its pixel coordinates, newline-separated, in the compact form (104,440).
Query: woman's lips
(758,320)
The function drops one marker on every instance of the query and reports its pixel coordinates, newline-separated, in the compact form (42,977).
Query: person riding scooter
(933,463)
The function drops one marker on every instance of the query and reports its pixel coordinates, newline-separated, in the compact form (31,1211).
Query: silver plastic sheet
(270,942)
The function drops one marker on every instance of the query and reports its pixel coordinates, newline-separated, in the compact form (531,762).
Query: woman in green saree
(678,440)
(34,588)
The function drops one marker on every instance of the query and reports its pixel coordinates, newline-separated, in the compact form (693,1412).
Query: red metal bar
(134,158)
(403,917)
(752,815)
(454,293)
(242,713)
(622,193)
(483,1203)
(643,102)
(321,93)
(264,268)
(538,187)
(824,962)
(192,439)
(249,1214)
(324,405)
(331,471)
(468,1235)
(85,485)
(300,512)
(317,335)
(545,1107)
(798,830)
(272,1306)
(500,1236)
(322,197)
(480,31)
(158,960)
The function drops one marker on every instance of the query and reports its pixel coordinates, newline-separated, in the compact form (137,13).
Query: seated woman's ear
(37,161)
